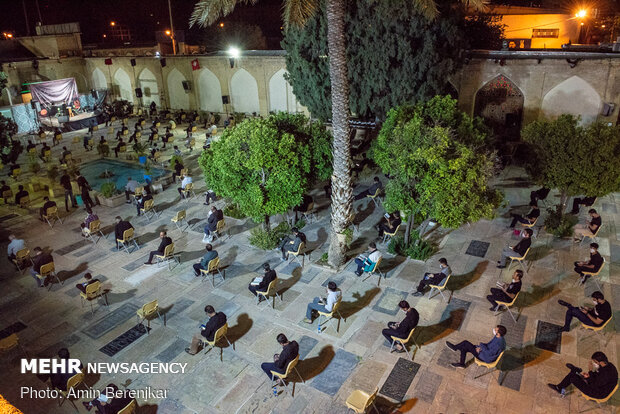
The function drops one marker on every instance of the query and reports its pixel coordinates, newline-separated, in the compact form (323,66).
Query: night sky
(143,17)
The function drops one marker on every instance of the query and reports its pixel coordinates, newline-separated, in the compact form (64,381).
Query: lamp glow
(581,14)
(167,32)
(234,52)
(112,23)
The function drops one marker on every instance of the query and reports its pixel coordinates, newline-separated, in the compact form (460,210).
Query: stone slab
(309,273)
(173,350)
(72,247)
(136,263)
(388,302)
(179,306)
(124,340)
(306,343)
(427,386)
(399,380)
(110,321)
(548,336)
(11,329)
(477,248)
(336,373)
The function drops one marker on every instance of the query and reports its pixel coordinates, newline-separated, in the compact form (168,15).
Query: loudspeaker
(108,61)
(35,64)
(608,108)
(133,62)
(138,93)
(162,62)
(93,93)
(225,99)
(187,86)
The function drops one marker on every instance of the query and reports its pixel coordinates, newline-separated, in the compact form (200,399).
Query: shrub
(417,248)
(348,236)
(560,225)
(233,210)
(108,189)
(323,258)
(268,240)
(173,160)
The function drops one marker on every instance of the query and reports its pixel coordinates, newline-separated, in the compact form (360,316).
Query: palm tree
(296,13)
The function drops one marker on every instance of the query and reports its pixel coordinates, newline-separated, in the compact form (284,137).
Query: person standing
(84,190)
(65,182)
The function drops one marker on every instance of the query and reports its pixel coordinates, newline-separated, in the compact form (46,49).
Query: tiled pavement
(333,363)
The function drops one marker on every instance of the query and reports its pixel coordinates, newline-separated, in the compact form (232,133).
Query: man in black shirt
(47,204)
(598,383)
(403,328)
(518,250)
(84,188)
(21,193)
(65,182)
(592,265)
(120,144)
(389,225)
(165,241)
(290,350)
(30,146)
(596,316)
(589,229)
(371,191)
(214,216)
(586,201)
(3,188)
(178,167)
(291,244)
(529,218)
(63,156)
(44,149)
(88,280)
(216,321)
(268,277)
(40,258)
(507,292)
(120,227)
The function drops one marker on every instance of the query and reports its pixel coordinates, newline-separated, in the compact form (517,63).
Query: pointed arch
(210,91)
(179,99)
(500,103)
(99,80)
(80,81)
(123,82)
(150,88)
(281,97)
(573,96)
(244,92)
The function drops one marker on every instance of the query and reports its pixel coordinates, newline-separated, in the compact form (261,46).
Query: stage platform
(79,121)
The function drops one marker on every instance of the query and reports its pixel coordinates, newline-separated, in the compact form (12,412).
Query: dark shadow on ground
(236,332)
(385,405)
(458,282)
(520,358)
(311,246)
(537,294)
(432,333)
(144,238)
(114,297)
(285,284)
(311,367)
(348,309)
(64,275)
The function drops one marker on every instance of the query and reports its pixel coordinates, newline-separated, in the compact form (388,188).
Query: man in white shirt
(186,180)
(436,279)
(130,188)
(324,304)
(367,263)
(15,245)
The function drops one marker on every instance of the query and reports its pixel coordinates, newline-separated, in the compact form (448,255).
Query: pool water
(122,170)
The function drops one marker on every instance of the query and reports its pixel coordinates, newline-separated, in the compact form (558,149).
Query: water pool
(92,170)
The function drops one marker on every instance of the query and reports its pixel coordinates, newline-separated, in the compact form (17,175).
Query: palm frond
(297,12)
(207,12)
(427,7)
(476,4)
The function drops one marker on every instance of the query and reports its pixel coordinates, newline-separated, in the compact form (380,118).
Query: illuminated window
(554,33)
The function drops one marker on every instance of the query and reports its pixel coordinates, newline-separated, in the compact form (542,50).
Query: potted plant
(110,196)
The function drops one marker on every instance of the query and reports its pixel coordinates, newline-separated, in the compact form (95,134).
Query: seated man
(261,283)
(120,227)
(4,188)
(86,141)
(38,261)
(46,204)
(389,225)
(65,153)
(588,229)
(323,304)
(376,185)
(165,241)
(368,263)
(141,201)
(184,181)
(585,201)
(434,278)
(291,244)
(403,328)
(592,266)
(215,215)
(207,331)
(176,151)
(30,146)
(21,193)
(59,380)
(44,149)
(88,279)
(505,292)
(130,188)
(120,144)
(517,250)
(209,196)
(13,169)
(488,352)
(15,245)
(178,167)
(598,382)
(290,350)
(108,401)
(529,217)
(596,316)
(204,262)
(90,217)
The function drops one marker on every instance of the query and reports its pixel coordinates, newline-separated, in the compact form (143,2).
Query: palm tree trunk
(342,192)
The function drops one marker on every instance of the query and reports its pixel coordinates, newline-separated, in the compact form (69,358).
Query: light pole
(174,49)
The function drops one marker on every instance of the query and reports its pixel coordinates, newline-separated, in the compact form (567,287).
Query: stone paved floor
(333,363)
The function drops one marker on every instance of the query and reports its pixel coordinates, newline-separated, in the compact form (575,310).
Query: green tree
(402,57)
(9,149)
(438,163)
(266,165)
(573,159)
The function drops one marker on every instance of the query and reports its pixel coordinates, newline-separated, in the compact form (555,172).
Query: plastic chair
(360,401)
(213,267)
(46,271)
(168,256)
(149,210)
(24,202)
(16,172)
(47,155)
(403,342)
(72,383)
(219,334)
(7,194)
(127,240)
(300,251)
(22,256)
(593,274)
(329,316)
(147,311)
(10,342)
(137,191)
(598,330)
(94,228)
(375,197)
(440,288)
(519,260)
(598,401)
(188,191)
(178,219)
(490,365)
(529,225)
(271,290)
(387,236)
(376,270)
(289,368)
(92,292)
(219,229)
(507,305)
(593,237)
(309,214)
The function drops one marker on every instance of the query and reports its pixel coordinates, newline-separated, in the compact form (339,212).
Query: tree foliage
(574,159)
(438,163)
(9,149)
(266,165)
(395,55)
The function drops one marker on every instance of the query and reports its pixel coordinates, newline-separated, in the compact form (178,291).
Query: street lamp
(112,23)
(581,14)
(167,32)
(233,54)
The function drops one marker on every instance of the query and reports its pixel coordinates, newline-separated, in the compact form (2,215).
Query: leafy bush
(559,225)
(108,189)
(323,258)
(348,236)
(233,210)
(417,248)
(238,117)
(268,240)
(175,158)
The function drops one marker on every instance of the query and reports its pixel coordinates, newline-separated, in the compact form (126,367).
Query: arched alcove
(500,103)
(150,89)
(210,91)
(573,96)
(179,99)
(244,92)
(99,81)
(123,82)
(281,96)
